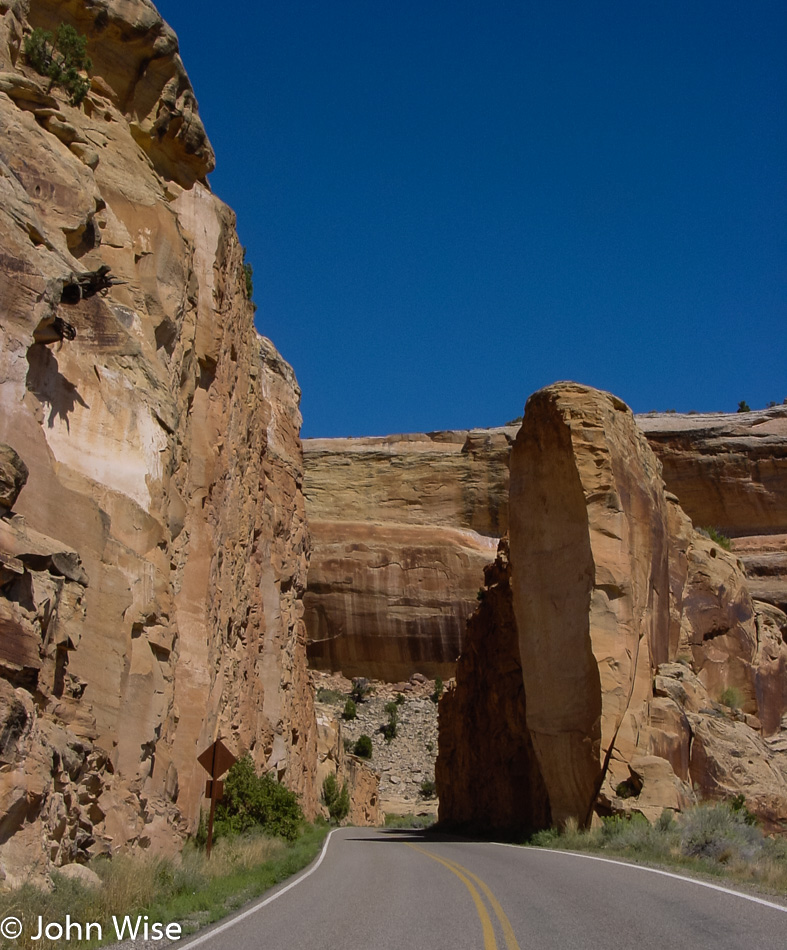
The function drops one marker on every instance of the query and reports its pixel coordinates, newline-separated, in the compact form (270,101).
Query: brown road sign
(216,759)
(219,789)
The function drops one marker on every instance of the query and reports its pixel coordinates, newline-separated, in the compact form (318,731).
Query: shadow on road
(389,835)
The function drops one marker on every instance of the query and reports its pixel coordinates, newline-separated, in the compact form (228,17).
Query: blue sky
(448,205)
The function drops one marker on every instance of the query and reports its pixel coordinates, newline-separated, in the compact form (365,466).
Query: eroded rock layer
(729,472)
(644,661)
(152,566)
(402,529)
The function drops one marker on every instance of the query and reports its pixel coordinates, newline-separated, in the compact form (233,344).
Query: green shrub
(743,406)
(350,710)
(438,690)
(400,700)
(546,838)
(428,788)
(721,539)
(256,801)
(363,747)
(738,806)
(390,728)
(360,689)
(731,697)
(415,822)
(720,834)
(337,802)
(329,695)
(62,59)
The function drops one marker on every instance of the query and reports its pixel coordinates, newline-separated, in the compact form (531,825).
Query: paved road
(393,890)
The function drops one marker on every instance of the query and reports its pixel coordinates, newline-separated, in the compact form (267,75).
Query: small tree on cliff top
(62,59)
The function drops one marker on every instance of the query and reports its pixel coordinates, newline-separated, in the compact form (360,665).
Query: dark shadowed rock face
(487,773)
(13,475)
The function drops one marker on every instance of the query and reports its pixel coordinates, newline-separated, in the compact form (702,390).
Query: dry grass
(187,889)
(716,840)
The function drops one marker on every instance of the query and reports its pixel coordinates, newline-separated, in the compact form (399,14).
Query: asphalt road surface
(395,890)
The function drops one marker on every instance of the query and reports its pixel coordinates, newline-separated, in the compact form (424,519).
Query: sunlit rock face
(402,528)
(152,566)
(730,473)
(643,657)
(386,597)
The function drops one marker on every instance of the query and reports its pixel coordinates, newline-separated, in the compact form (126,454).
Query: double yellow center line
(465,876)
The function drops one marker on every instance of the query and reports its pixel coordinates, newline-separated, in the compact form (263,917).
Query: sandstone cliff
(402,529)
(152,567)
(642,671)
(404,525)
(730,473)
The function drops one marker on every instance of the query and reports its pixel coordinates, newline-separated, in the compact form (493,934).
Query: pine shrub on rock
(62,58)
(363,747)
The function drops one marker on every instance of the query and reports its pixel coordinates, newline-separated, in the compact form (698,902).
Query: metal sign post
(216,759)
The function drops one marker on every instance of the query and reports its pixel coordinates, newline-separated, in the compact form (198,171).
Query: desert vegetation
(720,839)
(337,800)
(363,747)
(261,838)
(62,58)
(715,535)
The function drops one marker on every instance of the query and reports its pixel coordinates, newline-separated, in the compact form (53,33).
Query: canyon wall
(153,564)
(403,527)
(730,473)
(618,650)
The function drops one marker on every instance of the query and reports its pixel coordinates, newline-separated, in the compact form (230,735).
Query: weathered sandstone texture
(404,525)
(730,473)
(402,528)
(360,778)
(630,628)
(152,567)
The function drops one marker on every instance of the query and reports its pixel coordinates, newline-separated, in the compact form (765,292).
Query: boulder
(13,476)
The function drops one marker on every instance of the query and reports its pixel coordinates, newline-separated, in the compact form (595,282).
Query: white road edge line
(253,910)
(643,867)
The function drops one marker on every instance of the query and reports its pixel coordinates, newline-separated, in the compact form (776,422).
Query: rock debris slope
(153,565)
(617,660)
